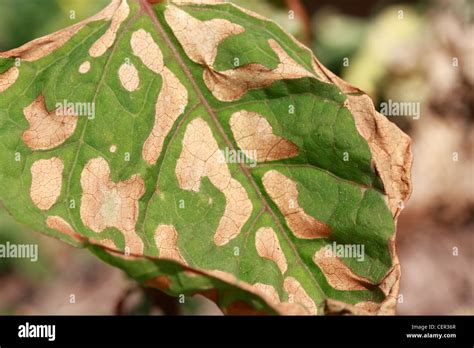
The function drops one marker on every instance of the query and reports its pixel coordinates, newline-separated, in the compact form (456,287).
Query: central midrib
(149,10)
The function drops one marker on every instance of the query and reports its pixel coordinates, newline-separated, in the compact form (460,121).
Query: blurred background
(406,51)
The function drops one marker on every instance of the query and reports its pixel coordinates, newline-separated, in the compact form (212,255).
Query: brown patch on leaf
(335,307)
(211,294)
(108,38)
(390,149)
(268,292)
(201,157)
(107,204)
(145,48)
(171,103)
(287,308)
(232,84)
(46,182)
(8,78)
(45,45)
(338,275)
(241,307)
(360,308)
(59,224)
(270,295)
(268,247)
(85,67)
(161,282)
(251,13)
(129,77)
(368,306)
(166,239)
(298,295)
(46,129)
(284,192)
(390,286)
(200,39)
(254,134)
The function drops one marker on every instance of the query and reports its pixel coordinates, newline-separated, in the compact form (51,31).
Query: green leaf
(201,149)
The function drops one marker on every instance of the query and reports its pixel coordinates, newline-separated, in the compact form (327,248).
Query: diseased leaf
(201,149)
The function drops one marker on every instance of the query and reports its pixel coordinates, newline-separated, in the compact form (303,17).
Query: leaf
(201,149)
